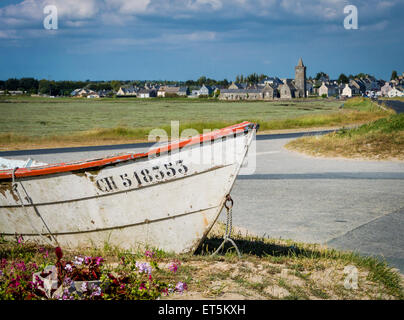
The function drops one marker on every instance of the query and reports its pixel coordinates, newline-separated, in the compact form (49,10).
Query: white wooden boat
(167,198)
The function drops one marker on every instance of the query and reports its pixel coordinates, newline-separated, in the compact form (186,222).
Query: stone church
(270,90)
(296,88)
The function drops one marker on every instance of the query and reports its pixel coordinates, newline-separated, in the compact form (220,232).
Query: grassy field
(269,269)
(381,139)
(46,122)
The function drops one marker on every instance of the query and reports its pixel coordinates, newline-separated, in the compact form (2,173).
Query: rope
(229,227)
(15,189)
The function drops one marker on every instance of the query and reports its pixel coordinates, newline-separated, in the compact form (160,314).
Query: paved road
(346,204)
(397,105)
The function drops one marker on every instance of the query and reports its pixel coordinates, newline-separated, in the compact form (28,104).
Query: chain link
(229,226)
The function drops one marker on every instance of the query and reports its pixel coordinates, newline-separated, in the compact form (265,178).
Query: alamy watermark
(50,21)
(211,149)
(351,20)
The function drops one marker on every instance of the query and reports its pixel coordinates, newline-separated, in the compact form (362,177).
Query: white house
(386,89)
(396,92)
(350,91)
(147,93)
(328,89)
(131,91)
(82,93)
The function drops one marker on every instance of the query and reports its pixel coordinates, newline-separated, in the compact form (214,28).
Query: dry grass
(67,123)
(379,140)
(271,269)
(268,269)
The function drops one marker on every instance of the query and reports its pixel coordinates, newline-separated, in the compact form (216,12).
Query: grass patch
(381,139)
(305,271)
(73,122)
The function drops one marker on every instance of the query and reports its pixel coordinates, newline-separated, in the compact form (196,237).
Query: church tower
(300,80)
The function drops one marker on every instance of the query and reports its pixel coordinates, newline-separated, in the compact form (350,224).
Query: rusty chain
(229,226)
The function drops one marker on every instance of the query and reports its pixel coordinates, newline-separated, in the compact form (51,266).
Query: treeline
(342,77)
(51,87)
(64,88)
(253,78)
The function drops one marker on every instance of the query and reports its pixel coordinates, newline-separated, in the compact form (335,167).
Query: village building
(309,89)
(396,92)
(80,93)
(350,91)
(384,91)
(126,91)
(241,94)
(300,80)
(274,82)
(269,92)
(287,90)
(183,91)
(171,91)
(270,88)
(328,90)
(237,86)
(15,92)
(93,96)
(205,91)
(357,83)
(147,93)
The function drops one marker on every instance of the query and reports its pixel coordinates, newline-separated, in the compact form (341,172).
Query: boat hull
(169,201)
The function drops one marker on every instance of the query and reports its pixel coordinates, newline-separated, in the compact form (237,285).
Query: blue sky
(185,39)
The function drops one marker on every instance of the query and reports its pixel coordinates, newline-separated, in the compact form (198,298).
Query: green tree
(45,86)
(343,78)
(201,81)
(321,74)
(115,85)
(29,84)
(394,75)
(12,84)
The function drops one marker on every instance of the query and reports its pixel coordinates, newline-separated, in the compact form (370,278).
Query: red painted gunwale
(66,167)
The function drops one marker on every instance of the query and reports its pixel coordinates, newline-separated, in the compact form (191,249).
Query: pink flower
(173,267)
(149,254)
(181,286)
(20,239)
(38,282)
(78,260)
(84,287)
(144,267)
(59,253)
(21,266)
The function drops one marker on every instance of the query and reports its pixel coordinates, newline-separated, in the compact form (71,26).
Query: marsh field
(48,122)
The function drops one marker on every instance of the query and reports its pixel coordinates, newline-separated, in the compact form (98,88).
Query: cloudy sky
(185,39)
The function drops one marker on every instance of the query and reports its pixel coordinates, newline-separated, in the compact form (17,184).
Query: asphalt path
(345,204)
(396,105)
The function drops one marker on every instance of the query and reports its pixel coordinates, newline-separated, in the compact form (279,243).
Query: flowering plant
(82,268)
(33,276)
(16,280)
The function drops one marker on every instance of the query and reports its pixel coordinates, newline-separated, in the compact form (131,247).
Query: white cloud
(128,6)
